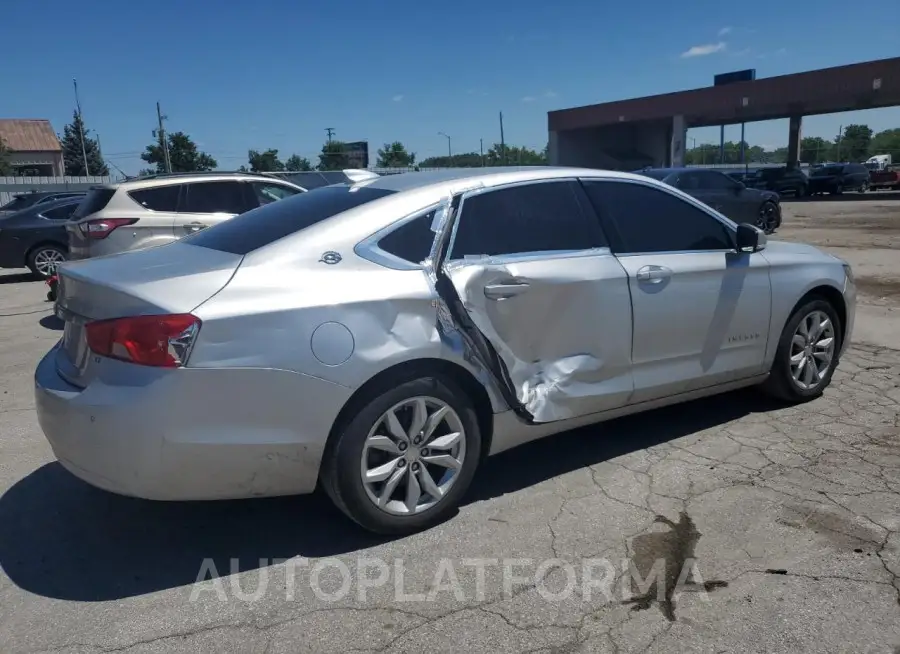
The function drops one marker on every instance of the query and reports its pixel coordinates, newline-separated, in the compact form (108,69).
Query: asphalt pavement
(724,525)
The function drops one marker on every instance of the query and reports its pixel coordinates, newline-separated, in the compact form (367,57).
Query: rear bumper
(189,434)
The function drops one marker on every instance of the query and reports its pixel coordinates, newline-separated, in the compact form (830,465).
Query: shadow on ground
(64,539)
(18,278)
(850,196)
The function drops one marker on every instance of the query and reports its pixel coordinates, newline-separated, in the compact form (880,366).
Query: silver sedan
(380,338)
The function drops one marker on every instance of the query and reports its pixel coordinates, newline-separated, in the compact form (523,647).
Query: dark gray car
(724,194)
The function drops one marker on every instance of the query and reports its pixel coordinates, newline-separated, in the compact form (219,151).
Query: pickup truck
(889,178)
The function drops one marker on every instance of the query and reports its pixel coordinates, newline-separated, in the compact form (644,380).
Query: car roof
(183,178)
(488,176)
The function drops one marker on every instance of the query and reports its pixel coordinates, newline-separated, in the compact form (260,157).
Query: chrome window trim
(543,254)
(729,225)
(369,249)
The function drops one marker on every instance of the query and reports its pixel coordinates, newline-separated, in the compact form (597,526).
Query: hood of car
(798,251)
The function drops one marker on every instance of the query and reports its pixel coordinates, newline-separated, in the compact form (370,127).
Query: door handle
(194,227)
(653,274)
(504,290)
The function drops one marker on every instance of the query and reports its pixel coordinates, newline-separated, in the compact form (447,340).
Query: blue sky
(276,73)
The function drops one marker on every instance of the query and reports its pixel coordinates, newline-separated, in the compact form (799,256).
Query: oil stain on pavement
(673,549)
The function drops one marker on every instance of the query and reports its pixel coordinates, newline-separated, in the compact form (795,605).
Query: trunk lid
(169,279)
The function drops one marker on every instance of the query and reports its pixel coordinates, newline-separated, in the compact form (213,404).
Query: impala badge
(330,258)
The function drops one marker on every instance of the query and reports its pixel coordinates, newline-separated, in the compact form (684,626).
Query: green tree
(183,154)
(854,143)
(265,162)
(814,149)
(73,153)
(462,160)
(513,155)
(334,156)
(394,155)
(6,168)
(296,163)
(886,142)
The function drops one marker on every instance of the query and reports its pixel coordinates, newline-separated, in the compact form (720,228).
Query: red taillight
(161,341)
(103,227)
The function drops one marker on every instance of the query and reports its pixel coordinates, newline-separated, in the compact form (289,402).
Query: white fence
(11,186)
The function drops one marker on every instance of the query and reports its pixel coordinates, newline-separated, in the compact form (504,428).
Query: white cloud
(550,94)
(724,31)
(704,50)
(397,98)
(528,98)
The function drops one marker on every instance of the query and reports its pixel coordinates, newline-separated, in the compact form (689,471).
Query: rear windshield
(96,200)
(23,201)
(269,223)
(828,170)
(655,174)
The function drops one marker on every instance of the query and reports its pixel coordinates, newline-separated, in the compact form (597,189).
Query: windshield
(655,173)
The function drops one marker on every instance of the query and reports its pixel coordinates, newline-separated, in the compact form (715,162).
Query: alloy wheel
(46,261)
(413,455)
(812,350)
(768,217)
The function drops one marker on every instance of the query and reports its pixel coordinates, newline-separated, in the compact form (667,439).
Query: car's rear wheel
(807,353)
(864,187)
(405,460)
(44,259)
(838,189)
(801,191)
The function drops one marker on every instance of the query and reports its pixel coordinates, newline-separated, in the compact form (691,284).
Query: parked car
(837,178)
(724,194)
(26,200)
(885,178)
(784,181)
(380,339)
(36,237)
(159,209)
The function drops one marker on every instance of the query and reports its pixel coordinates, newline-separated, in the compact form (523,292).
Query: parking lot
(788,518)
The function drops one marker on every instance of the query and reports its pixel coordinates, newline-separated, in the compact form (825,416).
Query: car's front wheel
(44,259)
(807,353)
(768,217)
(404,461)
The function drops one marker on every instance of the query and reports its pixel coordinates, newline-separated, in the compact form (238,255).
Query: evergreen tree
(73,154)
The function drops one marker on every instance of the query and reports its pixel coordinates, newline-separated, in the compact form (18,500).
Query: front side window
(648,219)
(266,193)
(213,197)
(539,217)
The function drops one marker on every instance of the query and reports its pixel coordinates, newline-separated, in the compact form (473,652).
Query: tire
(40,259)
(864,187)
(342,476)
(801,191)
(781,382)
(838,190)
(768,218)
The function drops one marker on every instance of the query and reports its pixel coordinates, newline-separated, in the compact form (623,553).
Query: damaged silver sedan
(381,338)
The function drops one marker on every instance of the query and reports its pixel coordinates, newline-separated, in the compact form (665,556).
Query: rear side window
(160,198)
(213,197)
(96,200)
(412,241)
(267,224)
(266,193)
(60,213)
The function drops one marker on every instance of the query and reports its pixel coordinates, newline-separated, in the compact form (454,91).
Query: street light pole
(449,151)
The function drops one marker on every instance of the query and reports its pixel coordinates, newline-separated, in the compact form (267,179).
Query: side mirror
(750,238)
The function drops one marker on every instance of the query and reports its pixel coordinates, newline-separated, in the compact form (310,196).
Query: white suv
(160,209)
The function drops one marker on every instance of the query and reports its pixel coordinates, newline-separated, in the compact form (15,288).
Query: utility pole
(838,140)
(481,146)
(163,141)
(87,169)
(330,132)
(449,151)
(502,141)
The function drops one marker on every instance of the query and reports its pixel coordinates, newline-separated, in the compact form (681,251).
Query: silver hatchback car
(380,338)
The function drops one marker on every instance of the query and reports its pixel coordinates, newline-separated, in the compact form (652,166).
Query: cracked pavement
(788,518)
